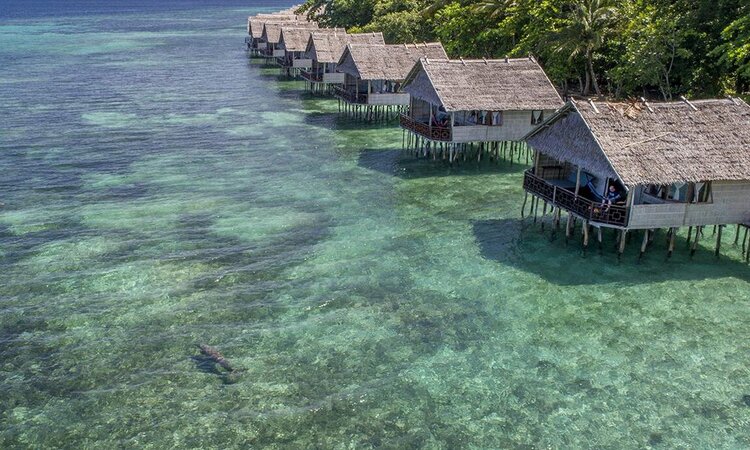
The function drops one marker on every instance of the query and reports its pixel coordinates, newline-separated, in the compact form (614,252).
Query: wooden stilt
(698,233)
(644,244)
(621,247)
(737,234)
(718,241)
(585,236)
(690,233)
(523,206)
(512,147)
(672,233)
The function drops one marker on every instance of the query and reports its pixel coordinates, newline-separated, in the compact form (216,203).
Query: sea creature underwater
(215,356)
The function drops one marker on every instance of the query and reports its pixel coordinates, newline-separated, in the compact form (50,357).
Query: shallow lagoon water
(162,190)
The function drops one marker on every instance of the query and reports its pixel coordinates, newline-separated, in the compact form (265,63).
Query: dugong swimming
(215,356)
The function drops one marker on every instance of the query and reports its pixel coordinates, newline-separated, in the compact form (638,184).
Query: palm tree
(585,29)
(495,8)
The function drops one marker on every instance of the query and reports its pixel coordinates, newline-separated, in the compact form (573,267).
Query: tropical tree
(734,53)
(496,9)
(651,44)
(465,33)
(585,28)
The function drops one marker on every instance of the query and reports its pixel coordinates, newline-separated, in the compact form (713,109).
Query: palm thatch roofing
(255,23)
(487,85)
(272,31)
(656,143)
(386,62)
(296,39)
(327,48)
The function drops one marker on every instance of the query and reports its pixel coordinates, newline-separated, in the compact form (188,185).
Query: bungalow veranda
(325,49)
(255,29)
(455,104)
(373,75)
(645,166)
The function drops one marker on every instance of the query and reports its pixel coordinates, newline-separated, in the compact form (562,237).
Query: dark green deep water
(161,190)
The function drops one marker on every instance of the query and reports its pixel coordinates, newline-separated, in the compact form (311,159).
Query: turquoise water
(161,190)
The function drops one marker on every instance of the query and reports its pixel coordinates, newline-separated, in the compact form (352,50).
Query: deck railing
(592,211)
(350,96)
(434,133)
(311,76)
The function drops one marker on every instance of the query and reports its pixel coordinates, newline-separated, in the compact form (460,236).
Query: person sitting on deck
(442,117)
(611,197)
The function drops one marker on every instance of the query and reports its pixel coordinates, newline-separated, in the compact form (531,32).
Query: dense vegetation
(621,48)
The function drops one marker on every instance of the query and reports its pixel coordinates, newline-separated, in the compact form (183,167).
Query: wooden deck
(434,133)
(349,96)
(311,76)
(595,212)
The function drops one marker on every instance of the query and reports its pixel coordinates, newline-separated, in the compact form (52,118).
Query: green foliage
(734,53)
(465,33)
(619,47)
(400,27)
(652,46)
(586,26)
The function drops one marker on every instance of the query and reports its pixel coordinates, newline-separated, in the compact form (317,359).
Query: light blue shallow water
(161,190)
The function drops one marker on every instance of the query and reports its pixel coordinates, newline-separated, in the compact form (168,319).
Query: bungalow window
(682,192)
(678,192)
(497,118)
(537,117)
(703,193)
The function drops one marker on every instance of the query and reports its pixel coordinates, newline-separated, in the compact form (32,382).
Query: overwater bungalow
(272,34)
(373,75)
(255,29)
(325,49)
(457,102)
(645,166)
(294,43)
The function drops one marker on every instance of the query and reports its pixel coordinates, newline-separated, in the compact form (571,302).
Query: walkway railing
(592,211)
(349,96)
(430,132)
(312,77)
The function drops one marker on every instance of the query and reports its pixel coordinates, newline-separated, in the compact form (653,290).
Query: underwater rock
(746,399)
(655,439)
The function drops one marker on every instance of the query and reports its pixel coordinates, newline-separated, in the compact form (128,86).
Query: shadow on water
(132,191)
(334,120)
(404,164)
(205,364)
(239,263)
(521,244)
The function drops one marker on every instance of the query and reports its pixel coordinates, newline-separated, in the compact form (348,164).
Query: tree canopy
(620,48)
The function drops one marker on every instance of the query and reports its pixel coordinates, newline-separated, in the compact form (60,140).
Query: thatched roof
(328,47)
(296,39)
(488,85)
(386,62)
(255,23)
(272,31)
(656,143)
